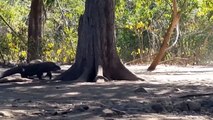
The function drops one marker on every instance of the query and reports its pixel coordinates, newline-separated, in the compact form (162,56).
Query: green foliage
(12,43)
(140,17)
(147,21)
(126,43)
(60,29)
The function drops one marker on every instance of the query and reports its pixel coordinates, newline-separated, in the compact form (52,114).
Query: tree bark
(96,56)
(174,22)
(35,30)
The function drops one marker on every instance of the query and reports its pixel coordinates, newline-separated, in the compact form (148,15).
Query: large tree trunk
(96,56)
(35,30)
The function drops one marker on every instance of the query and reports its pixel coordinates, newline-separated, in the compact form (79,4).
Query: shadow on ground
(39,100)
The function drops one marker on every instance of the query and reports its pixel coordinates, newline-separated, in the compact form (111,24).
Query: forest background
(140,26)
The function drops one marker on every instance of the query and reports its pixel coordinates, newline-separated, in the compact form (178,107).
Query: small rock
(140,90)
(81,108)
(57,87)
(97,110)
(158,108)
(6,114)
(112,113)
(194,106)
(55,113)
(177,89)
(38,113)
(14,105)
(16,100)
(108,113)
(182,106)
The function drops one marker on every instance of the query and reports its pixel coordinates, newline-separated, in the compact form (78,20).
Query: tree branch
(8,25)
(11,28)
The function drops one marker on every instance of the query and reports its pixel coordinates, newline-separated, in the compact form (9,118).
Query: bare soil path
(119,100)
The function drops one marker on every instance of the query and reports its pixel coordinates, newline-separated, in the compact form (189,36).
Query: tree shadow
(45,99)
(64,100)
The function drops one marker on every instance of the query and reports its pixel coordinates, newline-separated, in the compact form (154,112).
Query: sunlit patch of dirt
(162,96)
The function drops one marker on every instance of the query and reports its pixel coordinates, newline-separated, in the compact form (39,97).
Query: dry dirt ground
(165,97)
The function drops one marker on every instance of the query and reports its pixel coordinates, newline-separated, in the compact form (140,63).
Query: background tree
(140,27)
(96,51)
(35,30)
(60,30)
(13,43)
(165,45)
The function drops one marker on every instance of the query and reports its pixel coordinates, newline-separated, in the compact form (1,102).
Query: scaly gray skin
(37,69)
(11,71)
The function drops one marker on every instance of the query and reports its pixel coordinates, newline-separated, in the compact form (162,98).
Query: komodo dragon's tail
(11,72)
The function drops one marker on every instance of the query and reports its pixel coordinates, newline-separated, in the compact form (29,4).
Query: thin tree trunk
(35,30)
(174,22)
(96,56)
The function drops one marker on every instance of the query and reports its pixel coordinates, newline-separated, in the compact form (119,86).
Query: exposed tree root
(78,72)
(97,78)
